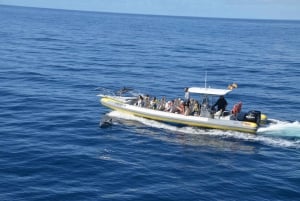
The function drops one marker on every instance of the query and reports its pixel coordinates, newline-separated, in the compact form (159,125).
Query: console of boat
(197,113)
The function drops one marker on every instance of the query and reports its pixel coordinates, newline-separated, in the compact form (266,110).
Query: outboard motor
(253,116)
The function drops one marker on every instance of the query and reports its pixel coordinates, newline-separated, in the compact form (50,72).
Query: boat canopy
(209,91)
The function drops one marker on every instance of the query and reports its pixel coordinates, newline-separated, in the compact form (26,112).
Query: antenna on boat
(205,79)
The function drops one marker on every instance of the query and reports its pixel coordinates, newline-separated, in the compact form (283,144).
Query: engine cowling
(251,116)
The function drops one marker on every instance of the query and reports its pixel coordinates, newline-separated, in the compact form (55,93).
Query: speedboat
(203,116)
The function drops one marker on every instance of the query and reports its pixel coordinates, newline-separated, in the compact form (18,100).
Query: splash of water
(281,128)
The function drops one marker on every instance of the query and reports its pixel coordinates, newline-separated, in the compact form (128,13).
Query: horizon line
(149,14)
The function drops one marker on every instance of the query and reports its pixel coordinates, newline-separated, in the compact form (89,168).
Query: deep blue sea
(51,148)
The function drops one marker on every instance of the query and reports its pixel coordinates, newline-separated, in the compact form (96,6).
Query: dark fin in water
(106,123)
(123,91)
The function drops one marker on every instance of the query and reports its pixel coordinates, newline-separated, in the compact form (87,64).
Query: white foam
(281,128)
(269,135)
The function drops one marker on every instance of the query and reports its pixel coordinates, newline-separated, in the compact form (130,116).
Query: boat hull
(119,104)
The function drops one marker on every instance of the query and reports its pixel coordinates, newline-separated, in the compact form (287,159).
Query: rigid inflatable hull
(119,105)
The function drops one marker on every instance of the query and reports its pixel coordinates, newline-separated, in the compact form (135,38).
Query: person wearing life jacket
(236,108)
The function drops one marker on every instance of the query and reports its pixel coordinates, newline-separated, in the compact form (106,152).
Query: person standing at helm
(221,103)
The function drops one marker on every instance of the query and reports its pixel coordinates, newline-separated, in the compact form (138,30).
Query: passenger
(177,102)
(205,101)
(196,109)
(186,94)
(153,103)
(221,103)
(147,101)
(162,103)
(192,101)
(167,106)
(140,102)
(187,109)
(173,108)
(170,107)
(237,108)
(205,107)
(181,107)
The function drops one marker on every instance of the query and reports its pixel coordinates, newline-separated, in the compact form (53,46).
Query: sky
(249,9)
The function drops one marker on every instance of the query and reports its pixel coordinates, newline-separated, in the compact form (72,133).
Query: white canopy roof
(209,91)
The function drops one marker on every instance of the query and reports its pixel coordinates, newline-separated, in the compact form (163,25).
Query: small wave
(261,137)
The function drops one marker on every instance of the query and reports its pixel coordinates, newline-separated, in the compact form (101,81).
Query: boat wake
(277,133)
(281,128)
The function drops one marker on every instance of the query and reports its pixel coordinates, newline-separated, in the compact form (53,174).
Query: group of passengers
(186,107)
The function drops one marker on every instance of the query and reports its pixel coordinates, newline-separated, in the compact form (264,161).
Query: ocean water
(53,61)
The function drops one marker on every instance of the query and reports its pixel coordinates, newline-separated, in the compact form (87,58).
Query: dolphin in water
(106,123)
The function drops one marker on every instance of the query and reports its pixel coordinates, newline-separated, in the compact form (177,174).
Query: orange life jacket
(237,108)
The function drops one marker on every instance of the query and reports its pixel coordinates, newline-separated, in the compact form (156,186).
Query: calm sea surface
(51,146)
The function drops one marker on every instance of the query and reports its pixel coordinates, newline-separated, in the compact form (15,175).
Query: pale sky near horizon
(250,9)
